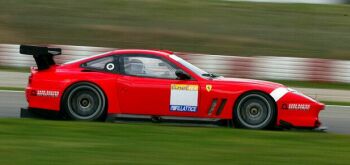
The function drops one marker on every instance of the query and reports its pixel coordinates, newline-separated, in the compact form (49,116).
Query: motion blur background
(303,43)
(200,26)
(300,43)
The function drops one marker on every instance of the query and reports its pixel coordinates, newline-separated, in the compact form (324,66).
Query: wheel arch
(255,91)
(70,85)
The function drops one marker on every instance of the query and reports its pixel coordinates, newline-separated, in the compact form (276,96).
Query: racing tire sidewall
(265,99)
(94,92)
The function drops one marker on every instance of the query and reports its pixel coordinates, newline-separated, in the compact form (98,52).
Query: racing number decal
(183,98)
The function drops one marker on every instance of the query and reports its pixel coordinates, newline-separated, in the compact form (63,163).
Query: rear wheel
(84,101)
(255,110)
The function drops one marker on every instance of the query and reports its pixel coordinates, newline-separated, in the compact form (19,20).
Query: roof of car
(141,51)
(124,51)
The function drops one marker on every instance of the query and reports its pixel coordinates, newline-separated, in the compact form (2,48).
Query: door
(149,86)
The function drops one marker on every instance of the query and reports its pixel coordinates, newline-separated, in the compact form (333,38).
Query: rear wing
(43,55)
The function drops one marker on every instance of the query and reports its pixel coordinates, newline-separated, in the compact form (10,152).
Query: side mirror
(181,75)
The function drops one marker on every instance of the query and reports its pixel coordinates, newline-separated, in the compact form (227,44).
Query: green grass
(15,69)
(202,26)
(310,84)
(28,141)
(12,88)
(336,103)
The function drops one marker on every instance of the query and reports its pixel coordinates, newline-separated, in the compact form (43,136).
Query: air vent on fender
(212,106)
(221,106)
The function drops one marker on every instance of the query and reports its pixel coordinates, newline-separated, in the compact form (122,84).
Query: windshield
(193,68)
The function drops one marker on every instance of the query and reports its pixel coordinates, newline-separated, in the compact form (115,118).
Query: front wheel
(84,101)
(255,110)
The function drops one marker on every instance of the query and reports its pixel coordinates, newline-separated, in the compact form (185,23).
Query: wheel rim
(85,102)
(254,111)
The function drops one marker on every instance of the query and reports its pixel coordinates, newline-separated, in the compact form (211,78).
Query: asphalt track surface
(335,118)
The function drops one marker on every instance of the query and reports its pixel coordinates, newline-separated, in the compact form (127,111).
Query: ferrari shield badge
(208,87)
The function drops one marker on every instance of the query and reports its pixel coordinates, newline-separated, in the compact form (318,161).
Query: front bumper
(299,111)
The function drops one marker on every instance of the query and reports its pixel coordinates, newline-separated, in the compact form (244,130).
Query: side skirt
(172,120)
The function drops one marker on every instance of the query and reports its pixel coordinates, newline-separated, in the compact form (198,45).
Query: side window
(103,64)
(145,66)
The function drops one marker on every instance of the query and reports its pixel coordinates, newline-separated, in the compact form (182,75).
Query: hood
(248,81)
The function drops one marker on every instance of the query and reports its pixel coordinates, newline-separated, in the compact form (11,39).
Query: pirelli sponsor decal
(302,107)
(184,98)
(47,93)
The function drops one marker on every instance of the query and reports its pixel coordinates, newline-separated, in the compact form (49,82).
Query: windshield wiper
(211,75)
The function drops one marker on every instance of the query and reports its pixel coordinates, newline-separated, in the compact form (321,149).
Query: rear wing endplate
(43,55)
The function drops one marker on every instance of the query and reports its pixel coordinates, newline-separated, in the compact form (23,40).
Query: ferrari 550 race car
(159,85)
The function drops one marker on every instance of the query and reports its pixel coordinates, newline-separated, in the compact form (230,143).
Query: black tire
(84,101)
(255,110)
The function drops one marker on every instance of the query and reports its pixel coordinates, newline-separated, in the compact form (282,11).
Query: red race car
(158,85)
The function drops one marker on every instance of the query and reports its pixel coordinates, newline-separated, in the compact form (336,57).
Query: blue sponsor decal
(183,108)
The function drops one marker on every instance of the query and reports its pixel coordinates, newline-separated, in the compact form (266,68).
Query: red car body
(134,95)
